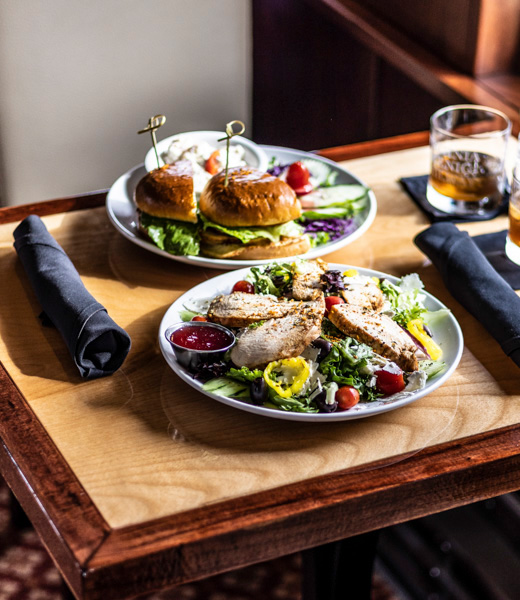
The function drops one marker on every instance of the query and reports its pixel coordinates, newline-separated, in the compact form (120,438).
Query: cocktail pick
(153,125)
(229,134)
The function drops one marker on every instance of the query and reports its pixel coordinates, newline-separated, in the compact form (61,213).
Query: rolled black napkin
(97,344)
(416,188)
(472,281)
(492,245)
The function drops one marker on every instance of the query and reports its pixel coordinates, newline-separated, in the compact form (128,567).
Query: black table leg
(340,570)
(19,519)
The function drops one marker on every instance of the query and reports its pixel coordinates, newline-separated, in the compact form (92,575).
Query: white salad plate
(446,332)
(123,215)
(255,155)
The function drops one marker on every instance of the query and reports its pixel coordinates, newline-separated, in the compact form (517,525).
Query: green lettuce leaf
(244,374)
(405,300)
(175,237)
(248,234)
(343,363)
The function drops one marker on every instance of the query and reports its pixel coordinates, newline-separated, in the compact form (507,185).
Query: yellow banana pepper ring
(416,328)
(287,376)
(350,273)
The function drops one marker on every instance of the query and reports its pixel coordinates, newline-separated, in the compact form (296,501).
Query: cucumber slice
(224,386)
(336,195)
(330,212)
(320,172)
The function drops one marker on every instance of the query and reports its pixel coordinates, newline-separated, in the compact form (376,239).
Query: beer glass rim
(454,107)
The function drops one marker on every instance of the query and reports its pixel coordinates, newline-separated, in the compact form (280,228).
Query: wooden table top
(135,482)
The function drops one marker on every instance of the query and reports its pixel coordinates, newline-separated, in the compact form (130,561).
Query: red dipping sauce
(202,337)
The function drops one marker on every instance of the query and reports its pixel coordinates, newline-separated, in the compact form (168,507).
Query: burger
(250,215)
(167,208)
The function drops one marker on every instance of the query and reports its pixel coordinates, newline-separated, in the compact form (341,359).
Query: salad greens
(175,237)
(334,361)
(405,298)
(346,364)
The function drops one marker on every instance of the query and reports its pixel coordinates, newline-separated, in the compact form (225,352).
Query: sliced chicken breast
(275,339)
(306,283)
(366,295)
(378,331)
(240,309)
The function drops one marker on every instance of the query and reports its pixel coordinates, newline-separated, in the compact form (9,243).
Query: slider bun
(287,246)
(168,193)
(251,198)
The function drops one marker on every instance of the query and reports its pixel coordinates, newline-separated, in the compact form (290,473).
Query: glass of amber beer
(468,146)
(513,234)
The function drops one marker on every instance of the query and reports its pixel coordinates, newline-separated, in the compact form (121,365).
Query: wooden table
(136,483)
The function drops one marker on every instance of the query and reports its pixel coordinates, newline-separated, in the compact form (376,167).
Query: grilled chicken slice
(378,331)
(240,309)
(306,283)
(275,339)
(366,295)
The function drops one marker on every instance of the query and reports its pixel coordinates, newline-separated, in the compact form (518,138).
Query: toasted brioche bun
(263,249)
(251,198)
(168,193)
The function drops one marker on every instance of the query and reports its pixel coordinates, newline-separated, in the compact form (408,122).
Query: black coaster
(492,246)
(416,188)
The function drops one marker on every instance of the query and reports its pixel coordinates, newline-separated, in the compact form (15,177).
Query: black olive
(322,405)
(258,391)
(324,346)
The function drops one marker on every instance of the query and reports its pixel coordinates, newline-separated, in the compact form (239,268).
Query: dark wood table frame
(100,562)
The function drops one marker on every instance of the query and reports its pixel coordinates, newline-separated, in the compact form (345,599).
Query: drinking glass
(468,149)
(513,233)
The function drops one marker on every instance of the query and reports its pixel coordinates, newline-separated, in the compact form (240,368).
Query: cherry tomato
(389,382)
(298,178)
(330,301)
(212,165)
(244,286)
(199,318)
(346,397)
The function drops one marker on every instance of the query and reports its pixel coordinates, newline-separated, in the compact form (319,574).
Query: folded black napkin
(492,245)
(416,188)
(473,281)
(97,344)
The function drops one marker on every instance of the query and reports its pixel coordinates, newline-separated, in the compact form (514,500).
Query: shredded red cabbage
(332,281)
(336,228)
(277,170)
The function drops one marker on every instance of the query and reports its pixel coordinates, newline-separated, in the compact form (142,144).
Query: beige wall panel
(77,80)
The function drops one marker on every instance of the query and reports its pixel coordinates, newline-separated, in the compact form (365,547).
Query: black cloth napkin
(473,281)
(97,344)
(492,245)
(416,188)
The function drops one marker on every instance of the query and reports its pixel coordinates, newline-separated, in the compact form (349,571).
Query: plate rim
(244,141)
(228,264)
(171,361)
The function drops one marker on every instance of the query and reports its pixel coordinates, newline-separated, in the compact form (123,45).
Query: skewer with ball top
(230,132)
(153,125)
